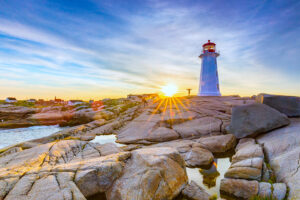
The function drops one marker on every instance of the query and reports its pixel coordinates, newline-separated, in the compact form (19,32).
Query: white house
(10,100)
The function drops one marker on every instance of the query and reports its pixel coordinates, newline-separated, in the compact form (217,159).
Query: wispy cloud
(100,49)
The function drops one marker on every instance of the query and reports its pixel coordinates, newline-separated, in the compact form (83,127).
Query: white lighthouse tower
(209,80)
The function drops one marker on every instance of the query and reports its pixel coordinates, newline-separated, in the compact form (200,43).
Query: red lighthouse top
(209,46)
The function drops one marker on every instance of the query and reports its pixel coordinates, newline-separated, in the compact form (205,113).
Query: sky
(94,49)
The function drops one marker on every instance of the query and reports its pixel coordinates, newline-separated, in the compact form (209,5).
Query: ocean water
(13,136)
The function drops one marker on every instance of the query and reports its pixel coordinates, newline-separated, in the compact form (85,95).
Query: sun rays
(169,107)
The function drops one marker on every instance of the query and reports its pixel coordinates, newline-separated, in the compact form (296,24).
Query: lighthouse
(209,80)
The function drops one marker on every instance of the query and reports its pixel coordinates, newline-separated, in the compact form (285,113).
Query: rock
(266,173)
(106,129)
(97,175)
(248,173)
(243,142)
(198,127)
(162,134)
(282,149)
(66,169)
(190,151)
(279,191)
(194,192)
(151,173)
(198,157)
(265,190)
(248,151)
(10,112)
(108,148)
(251,120)
(247,162)
(150,128)
(11,150)
(219,143)
(256,162)
(289,105)
(239,188)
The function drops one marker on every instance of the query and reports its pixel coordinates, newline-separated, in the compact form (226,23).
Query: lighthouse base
(209,94)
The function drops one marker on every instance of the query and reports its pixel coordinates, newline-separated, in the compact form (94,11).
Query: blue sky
(98,49)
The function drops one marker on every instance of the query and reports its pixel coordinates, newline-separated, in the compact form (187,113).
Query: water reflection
(210,175)
(102,139)
(210,179)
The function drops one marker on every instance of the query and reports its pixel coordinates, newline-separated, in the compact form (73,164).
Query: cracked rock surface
(282,147)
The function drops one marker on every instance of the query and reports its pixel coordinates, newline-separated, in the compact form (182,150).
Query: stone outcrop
(76,170)
(151,173)
(239,188)
(289,105)
(198,157)
(247,162)
(282,148)
(194,192)
(254,119)
(276,190)
(218,144)
(180,118)
(66,169)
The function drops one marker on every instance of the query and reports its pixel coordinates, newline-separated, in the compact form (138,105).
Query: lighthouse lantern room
(209,80)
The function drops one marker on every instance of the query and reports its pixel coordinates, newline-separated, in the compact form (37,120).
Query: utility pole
(189,91)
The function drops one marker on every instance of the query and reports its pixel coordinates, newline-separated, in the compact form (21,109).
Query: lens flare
(169,90)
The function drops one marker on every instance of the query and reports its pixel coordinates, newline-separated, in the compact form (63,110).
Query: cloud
(139,47)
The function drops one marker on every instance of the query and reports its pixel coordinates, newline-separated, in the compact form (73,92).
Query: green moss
(213,197)
(24,104)
(256,197)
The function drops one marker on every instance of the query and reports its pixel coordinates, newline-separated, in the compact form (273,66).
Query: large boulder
(239,188)
(61,170)
(193,154)
(151,173)
(289,105)
(198,127)
(198,157)
(282,149)
(247,162)
(194,192)
(253,119)
(219,143)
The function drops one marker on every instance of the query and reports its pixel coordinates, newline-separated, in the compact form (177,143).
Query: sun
(169,90)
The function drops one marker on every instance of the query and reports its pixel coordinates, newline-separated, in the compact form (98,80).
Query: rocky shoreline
(162,139)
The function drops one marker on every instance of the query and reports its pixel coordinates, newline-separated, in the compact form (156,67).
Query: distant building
(31,100)
(10,100)
(75,102)
(97,105)
(58,100)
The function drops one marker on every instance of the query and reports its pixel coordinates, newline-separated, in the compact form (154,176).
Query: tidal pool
(13,136)
(210,179)
(102,139)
